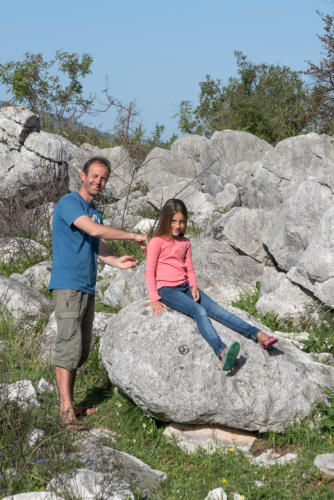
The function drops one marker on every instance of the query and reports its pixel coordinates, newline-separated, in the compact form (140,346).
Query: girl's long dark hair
(171,207)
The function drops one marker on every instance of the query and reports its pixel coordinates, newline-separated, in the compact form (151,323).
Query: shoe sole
(231,356)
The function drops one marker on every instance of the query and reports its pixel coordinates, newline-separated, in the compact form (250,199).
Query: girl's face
(178,224)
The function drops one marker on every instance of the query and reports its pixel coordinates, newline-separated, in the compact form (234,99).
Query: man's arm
(105,255)
(107,232)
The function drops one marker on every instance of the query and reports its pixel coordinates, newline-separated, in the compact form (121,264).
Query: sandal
(266,344)
(231,356)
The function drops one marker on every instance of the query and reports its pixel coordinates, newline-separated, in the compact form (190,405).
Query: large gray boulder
(16,123)
(292,226)
(231,156)
(196,201)
(315,269)
(242,228)
(165,366)
(23,302)
(163,168)
(282,297)
(190,146)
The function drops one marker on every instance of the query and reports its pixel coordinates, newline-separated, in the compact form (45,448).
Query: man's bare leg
(65,382)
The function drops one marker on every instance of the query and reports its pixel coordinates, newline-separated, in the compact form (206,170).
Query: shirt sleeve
(189,266)
(70,209)
(152,257)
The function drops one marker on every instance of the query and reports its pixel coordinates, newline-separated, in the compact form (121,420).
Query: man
(78,240)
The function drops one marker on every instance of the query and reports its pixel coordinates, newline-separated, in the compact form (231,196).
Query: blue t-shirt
(74,252)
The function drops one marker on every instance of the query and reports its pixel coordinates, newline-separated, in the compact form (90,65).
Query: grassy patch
(19,265)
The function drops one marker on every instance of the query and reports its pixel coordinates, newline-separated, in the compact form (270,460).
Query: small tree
(322,98)
(31,83)
(270,101)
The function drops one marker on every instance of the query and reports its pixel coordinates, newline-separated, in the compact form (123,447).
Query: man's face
(95,180)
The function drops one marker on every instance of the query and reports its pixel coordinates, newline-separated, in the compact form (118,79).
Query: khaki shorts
(74,312)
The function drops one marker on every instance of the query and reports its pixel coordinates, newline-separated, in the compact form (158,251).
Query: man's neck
(86,196)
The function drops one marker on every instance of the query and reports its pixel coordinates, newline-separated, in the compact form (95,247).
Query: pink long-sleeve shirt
(168,263)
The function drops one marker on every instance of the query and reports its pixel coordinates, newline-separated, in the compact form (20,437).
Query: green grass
(321,330)
(190,476)
(19,265)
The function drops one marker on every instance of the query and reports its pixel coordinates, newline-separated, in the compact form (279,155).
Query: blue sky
(158,52)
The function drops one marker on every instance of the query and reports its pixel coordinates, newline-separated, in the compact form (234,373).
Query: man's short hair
(97,159)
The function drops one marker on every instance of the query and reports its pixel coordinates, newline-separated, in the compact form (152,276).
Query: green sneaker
(231,356)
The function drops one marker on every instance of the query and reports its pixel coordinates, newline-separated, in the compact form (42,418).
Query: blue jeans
(180,298)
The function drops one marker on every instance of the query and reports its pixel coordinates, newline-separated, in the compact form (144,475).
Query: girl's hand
(158,307)
(126,262)
(195,293)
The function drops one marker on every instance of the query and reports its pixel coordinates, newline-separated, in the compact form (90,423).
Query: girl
(171,282)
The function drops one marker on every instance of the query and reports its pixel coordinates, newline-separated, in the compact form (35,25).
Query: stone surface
(145,225)
(90,485)
(37,276)
(97,457)
(22,392)
(192,437)
(242,228)
(288,233)
(282,297)
(325,463)
(163,168)
(195,200)
(216,494)
(35,436)
(315,269)
(179,378)
(12,248)
(228,198)
(16,123)
(268,458)
(22,301)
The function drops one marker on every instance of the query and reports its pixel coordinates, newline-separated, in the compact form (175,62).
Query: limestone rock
(292,227)
(13,247)
(22,392)
(192,437)
(315,269)
(216,494)
(190,146)
(242,228)
(50,146)
(268,458)
(325,463)
(228,198)
(37,276)
(16,123)
(145,225)
(87,484)
(180,379)
(163,168)
(282,298)
(230,157)
(22,301)
(97,457)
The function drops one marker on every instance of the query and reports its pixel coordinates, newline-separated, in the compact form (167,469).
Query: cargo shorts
(74,311)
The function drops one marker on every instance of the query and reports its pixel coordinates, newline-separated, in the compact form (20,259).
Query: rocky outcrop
(180,379)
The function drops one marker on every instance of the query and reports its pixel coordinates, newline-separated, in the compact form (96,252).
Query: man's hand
(126,262)
(140,239)
(195,293)
(158,307)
